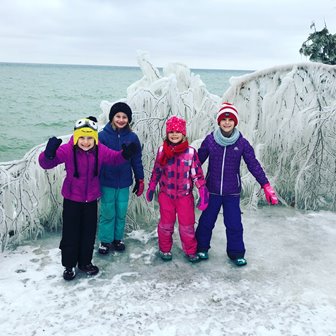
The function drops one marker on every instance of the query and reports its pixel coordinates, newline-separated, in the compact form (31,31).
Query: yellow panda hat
(86,127)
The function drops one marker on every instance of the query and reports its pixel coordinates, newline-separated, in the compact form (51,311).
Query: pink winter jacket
(178,176)
(86,187)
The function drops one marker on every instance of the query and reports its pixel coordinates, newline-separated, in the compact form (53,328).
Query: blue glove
(52,145)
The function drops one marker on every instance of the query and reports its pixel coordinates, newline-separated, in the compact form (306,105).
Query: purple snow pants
(232,220)
(184,208)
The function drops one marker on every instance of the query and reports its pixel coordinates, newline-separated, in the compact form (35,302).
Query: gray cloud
(240,34)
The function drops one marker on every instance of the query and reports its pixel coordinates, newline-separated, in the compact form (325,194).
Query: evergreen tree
(320,46)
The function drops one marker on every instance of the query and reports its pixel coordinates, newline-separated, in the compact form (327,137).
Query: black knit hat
(121,107)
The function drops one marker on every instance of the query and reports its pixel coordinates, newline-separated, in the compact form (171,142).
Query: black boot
(89,269)
(119,245)
(69,273)
(104,248)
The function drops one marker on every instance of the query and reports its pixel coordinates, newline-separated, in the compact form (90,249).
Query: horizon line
(114,66)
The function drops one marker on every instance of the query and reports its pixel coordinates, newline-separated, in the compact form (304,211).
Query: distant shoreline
(108,66)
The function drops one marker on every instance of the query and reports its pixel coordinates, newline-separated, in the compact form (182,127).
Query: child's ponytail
(76,174)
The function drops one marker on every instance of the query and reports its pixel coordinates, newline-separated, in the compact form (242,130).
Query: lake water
(42,100)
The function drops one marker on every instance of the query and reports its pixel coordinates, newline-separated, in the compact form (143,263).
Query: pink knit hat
(176,124)
(227,110)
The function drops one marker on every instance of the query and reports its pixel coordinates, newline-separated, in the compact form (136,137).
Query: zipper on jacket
(176,173)
(222,173)
(87,177)
(118,169)
(238,181)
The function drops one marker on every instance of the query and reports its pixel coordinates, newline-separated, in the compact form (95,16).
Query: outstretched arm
(112,157)
(257,171)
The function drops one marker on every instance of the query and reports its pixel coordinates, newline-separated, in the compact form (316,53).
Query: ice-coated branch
(291,112)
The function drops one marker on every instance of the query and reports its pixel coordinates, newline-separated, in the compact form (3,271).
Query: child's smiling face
(86,143)
(227,125)
(120,120)
(175,137)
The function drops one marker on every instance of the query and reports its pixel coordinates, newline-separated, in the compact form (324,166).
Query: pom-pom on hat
(176,124)
(120,107)
(86,127)
(227,110)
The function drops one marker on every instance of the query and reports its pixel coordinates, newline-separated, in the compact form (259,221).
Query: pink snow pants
(184,208)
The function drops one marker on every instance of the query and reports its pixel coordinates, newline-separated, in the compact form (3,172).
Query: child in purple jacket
(225,147)
(83,158)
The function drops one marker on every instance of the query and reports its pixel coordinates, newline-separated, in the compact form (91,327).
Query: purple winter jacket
(86,187)
(223,176)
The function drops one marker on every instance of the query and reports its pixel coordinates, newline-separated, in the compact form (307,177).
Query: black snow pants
(78,232)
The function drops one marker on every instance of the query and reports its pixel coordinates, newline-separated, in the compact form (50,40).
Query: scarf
(222,140)
(169,151)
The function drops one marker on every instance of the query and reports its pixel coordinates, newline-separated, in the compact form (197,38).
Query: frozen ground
(287,288)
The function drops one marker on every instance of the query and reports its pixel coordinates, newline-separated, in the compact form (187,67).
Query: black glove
(136,186)
(128,150)
(52,145)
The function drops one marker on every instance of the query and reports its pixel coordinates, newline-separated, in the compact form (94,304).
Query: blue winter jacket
(223,176)
(120,176)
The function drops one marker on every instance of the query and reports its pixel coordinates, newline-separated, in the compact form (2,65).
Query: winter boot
(165,256)
(69,273)
(203,255)
(104,248)
(89,269)
(119,245)
(240,262)
(193,258)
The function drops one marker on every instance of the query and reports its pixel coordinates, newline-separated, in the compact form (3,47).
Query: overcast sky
(222,34)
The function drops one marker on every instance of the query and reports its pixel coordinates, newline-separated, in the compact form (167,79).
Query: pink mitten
(139,187)
(203,198)
(270,194)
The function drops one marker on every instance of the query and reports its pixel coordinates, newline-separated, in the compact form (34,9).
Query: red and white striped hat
(227,110)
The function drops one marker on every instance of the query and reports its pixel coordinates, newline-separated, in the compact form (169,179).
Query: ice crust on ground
(287,288)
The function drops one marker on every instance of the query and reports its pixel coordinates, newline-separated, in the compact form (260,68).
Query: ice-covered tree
(287,112)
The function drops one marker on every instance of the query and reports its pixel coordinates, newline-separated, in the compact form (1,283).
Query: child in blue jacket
(116,180)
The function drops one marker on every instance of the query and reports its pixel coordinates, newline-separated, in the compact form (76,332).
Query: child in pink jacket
(176,169)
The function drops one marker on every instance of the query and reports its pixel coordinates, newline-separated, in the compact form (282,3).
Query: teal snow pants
(112,217)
